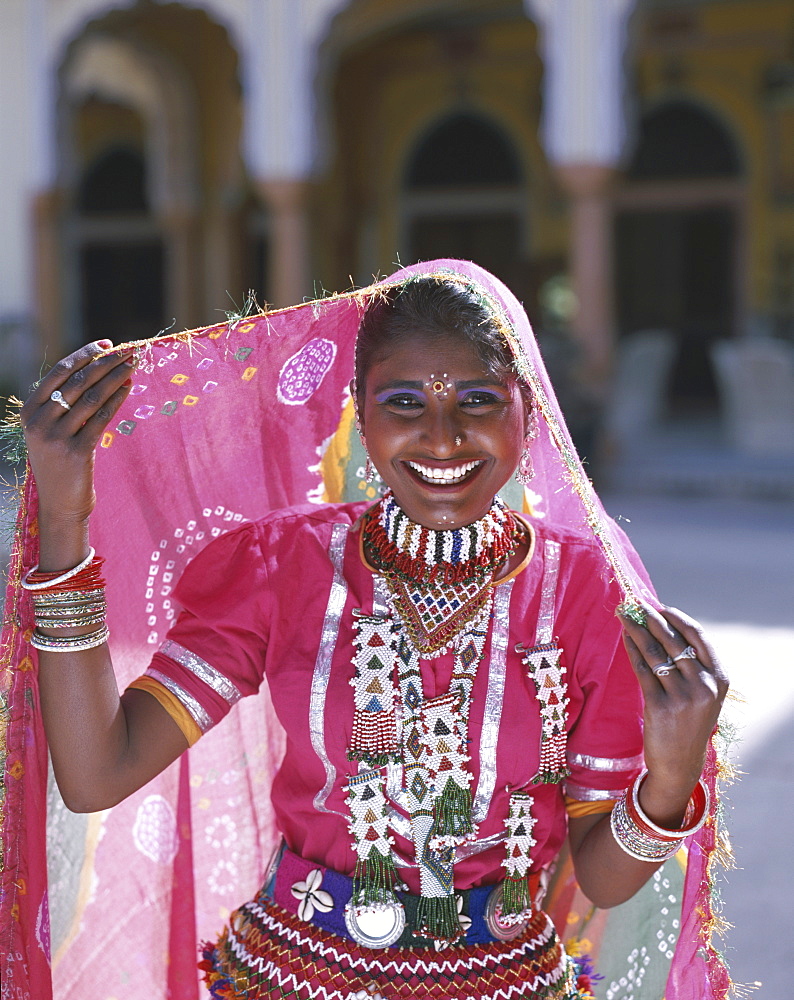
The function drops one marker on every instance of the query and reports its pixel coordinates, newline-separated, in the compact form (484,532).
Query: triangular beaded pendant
(433,616)
(548,675)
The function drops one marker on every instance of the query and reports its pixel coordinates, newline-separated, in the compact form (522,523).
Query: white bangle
(58,579)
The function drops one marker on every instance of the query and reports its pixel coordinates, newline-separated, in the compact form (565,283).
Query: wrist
(664,801)
(63,543)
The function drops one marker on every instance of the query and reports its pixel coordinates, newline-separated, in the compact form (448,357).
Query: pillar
(583,45)
(591,263)
(288,280)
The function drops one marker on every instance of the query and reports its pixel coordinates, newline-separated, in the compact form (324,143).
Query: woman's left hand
(684,686)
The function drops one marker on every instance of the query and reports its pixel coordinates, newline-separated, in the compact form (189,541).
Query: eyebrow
(472,383)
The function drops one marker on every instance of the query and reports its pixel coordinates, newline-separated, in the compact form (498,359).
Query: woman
(486,664)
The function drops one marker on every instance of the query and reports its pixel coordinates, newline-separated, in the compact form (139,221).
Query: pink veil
(222,425)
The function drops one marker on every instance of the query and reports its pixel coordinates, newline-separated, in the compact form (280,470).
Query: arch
(77,16)
(463,194)
(105,67)
(463,149)
(679,241)
(678,139)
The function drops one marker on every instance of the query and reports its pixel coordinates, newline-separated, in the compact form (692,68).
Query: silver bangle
(70,644)
(632,841)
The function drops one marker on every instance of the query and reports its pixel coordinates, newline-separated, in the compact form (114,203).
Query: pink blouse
(275,598)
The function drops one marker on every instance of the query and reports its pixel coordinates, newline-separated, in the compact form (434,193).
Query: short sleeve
(214,654)
(605,735)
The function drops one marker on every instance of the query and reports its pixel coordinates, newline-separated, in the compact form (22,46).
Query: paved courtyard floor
(730,564)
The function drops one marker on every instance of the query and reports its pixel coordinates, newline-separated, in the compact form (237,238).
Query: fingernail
(127,382)
(104,343)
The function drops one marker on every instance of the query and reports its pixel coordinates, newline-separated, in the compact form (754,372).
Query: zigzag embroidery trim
(443,962)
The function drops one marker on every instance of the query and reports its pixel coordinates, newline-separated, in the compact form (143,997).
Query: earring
(525,470)
(369,471)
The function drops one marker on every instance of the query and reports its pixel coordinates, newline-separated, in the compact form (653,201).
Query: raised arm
(683,687)
(103,746)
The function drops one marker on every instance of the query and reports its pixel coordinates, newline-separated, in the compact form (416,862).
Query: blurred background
(625,166)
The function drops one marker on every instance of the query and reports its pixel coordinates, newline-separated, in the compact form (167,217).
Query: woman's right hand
(61,439)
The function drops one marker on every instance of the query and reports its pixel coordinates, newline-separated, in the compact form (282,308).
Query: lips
(450,475)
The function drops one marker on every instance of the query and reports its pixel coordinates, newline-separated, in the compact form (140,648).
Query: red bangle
(694,817)
(86,578)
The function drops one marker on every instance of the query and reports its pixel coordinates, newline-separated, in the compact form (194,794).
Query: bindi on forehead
(439,384)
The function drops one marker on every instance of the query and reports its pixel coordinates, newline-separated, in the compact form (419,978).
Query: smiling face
(444,432)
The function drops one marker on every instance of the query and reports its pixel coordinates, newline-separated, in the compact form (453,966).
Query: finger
(91,431)
(692,633)
(649,683)
(52,399)
(655,641)
(89,389)
(61,371)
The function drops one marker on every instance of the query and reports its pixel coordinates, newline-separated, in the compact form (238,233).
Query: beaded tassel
(547,674)
(374,740)
(437,917)
(446,759)
(375,874)
(516,902)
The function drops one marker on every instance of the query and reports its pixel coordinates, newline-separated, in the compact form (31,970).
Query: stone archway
(463,196)
(134,84)
(678,245)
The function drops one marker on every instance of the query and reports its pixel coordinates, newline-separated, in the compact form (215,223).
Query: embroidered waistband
(320,896)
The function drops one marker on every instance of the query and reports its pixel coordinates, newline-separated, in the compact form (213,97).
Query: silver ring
(663,669)
(56,397)
(690,653)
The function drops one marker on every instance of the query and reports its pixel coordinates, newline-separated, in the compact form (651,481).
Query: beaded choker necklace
(438,580)
(400,547)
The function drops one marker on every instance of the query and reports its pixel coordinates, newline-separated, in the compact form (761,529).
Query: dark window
(463,150)
(114,183)
(678,141)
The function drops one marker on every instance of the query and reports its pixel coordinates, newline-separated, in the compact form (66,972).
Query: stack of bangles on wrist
(74,599)
(641,837)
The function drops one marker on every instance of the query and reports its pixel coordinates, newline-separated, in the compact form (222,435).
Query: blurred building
(625,165)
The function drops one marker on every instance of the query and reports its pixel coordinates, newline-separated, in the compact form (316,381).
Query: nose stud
(458,440)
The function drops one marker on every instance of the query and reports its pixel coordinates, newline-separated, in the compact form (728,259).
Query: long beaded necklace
(436,605)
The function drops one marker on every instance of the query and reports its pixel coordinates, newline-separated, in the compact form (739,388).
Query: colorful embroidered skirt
(269,953)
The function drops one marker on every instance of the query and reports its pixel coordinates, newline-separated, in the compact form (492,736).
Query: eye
(476,398)
(402,401)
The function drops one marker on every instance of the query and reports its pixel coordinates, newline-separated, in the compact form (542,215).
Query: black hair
(434,307)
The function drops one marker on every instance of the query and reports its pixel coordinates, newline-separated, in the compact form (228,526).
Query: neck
(398,546)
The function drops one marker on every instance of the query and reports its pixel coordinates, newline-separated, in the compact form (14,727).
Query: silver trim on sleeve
(322,665)
(201,717)
(583,794)
(212,677)
(606,763)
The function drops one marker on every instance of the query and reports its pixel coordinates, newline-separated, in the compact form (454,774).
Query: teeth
(450,475)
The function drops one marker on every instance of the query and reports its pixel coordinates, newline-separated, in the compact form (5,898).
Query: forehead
(417,356)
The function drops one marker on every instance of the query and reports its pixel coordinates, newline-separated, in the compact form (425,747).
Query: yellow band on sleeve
(172,705)
(575,808)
